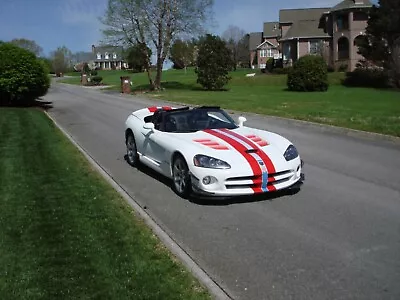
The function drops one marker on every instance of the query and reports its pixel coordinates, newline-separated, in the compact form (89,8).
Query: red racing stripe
(242,150)
(154,108)
(266,159)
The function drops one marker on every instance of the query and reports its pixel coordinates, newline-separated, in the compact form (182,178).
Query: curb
(215,290)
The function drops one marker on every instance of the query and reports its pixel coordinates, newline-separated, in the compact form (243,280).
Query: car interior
(189,120)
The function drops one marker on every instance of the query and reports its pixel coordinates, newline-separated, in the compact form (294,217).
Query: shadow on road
(218,201)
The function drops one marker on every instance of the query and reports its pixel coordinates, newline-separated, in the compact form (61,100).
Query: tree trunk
(148,66)
(157,82)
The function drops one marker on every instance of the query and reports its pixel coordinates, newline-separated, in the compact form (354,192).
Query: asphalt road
(338,238)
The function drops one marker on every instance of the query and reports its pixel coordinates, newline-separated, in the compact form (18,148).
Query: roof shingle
(305,23)
(271,29)
(349,4)
(255,39)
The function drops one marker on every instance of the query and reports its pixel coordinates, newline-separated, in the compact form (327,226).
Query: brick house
(264,44)
(332,32)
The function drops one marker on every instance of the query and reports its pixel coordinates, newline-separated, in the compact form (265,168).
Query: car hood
(233,145)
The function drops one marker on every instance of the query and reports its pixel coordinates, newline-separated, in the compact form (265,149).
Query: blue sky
(74,23)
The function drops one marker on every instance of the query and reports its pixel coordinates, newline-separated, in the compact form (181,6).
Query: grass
(64,233)
(357,108)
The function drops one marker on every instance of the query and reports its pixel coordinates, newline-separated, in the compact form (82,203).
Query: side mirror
(241,120)
(149,126)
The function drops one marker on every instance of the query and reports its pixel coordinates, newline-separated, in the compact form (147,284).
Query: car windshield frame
(193,120)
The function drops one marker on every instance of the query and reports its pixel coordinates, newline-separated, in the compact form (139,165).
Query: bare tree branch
(158,22)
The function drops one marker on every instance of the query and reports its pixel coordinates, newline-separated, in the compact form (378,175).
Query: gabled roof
(305,23)
(350,4)
(118,50)
(271,29)
(304,14)
(255,38)
(267,42)
(109,49)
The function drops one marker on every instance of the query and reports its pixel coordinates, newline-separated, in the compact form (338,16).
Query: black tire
(181,182)
(132,155)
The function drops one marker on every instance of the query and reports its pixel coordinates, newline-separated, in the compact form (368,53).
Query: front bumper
(226,184)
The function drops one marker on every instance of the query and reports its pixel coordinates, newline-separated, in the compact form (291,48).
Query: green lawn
(358,108)
(64,233)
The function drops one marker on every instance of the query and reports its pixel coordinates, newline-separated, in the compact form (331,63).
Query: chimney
(93,48)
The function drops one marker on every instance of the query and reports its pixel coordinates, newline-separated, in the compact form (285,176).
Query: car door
(152,146)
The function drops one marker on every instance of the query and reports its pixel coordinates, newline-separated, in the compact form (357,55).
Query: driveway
(338,238)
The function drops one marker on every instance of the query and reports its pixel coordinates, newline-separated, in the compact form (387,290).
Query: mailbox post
(125,84)
(84,79)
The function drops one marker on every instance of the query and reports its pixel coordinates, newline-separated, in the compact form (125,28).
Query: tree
(23,77)
(213,63)
(382,41)
(61,59)
(233,36)
(28,45)
(47,63)
(183,54)
(243,52)
(156,22)
(137,57)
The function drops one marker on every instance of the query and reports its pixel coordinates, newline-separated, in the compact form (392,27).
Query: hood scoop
(252,150)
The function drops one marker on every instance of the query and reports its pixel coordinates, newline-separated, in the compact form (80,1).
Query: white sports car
(204,151)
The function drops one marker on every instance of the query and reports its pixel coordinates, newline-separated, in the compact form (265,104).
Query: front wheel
(181,177)
(131,150)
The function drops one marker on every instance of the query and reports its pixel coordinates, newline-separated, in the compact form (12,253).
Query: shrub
(375,78)
(93,73)
(23,77)
(96,79)
(331,69)
(343,68)
(213,63)
(309,73)
(282,70)
(270,64)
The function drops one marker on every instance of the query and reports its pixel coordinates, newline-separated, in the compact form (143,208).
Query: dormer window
(106,55)
(98,55)
(114,55)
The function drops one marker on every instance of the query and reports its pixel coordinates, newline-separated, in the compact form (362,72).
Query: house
(264,44)
(333,32)
(102,57)
(108,57)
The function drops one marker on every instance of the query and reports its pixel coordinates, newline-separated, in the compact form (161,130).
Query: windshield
(197,119)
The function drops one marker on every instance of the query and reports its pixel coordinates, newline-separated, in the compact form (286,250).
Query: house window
(98,56)
(315,46)
(114,55)
(270,53)
(360,16)
(286,51)
(263,53)
(342,22)
(263,66)
(106,55)
(343,48)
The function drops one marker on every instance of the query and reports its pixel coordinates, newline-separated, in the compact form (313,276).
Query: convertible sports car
(204,151)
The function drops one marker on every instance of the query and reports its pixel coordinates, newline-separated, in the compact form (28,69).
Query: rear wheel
(131,150)
(181,177)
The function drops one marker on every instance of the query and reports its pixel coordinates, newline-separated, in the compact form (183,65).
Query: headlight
(290,153)
(205,161)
